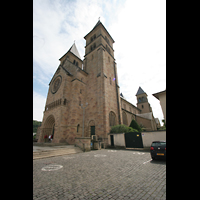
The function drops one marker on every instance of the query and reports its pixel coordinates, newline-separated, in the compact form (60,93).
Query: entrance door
(112,140)
(133,140)
(53,131)
(92,130)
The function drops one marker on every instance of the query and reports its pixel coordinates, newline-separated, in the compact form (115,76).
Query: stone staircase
(56,152)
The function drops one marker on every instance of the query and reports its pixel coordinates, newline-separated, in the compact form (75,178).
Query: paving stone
(119,175)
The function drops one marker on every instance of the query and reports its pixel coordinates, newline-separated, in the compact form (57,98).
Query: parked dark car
(158,149)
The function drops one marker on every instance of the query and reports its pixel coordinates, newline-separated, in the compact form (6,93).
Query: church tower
(142,101)
(102,96)
(91,84)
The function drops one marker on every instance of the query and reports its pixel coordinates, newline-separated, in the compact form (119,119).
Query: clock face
(56,84)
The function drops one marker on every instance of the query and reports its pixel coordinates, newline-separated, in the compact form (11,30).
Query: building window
(142,106)
(125,106)
(108,59)
(124,116)
(107,40)
(110,81)
(112,119)
(93,37)
(65,100)
(79,103)
(81,91)
(78,126)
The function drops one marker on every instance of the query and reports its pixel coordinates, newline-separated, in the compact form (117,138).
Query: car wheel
(153,158)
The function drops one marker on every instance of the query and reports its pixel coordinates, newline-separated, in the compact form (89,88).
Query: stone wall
(83,143)
(149,137)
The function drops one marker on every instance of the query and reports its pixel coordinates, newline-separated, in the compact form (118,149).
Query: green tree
(122,129)
(135,125)
(35,125)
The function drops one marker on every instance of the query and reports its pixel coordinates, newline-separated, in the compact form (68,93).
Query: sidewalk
(45,151)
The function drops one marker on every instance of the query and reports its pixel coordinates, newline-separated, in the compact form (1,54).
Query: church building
(86,92)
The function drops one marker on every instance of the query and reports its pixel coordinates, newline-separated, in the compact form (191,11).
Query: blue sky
(137,26)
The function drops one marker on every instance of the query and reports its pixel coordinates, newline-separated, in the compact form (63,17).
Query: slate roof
(97,24)
(73,50)
(140,91)
(145,115)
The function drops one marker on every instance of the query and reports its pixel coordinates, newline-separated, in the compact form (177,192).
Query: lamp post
(83,116)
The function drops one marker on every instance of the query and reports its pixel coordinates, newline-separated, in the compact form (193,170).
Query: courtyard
(101,174)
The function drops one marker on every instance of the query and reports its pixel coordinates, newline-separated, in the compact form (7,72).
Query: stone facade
(93,81)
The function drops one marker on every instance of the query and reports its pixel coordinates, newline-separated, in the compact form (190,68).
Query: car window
(156,144)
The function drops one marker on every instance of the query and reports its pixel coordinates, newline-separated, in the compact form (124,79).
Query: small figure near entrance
(49,138)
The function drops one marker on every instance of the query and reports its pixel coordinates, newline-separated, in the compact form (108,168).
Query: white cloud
(138,28)
(38,106)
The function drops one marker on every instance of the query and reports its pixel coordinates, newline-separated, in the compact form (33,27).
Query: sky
(138,28)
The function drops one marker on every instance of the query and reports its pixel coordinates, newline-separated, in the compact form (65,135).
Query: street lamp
(83,116)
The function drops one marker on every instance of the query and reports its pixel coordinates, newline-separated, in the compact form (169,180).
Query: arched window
(112,119)
(125,121)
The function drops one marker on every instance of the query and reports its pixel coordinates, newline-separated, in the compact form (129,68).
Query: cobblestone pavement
(102,174)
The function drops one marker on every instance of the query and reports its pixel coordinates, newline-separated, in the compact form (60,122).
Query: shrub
(135,125)
(122,129)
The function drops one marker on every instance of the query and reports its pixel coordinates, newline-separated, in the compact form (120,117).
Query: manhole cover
(99,155)
(51,167)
